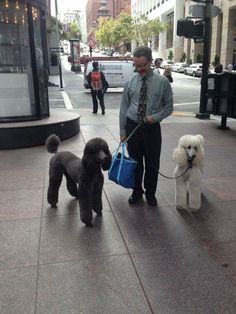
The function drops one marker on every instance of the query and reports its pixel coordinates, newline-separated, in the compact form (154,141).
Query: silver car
(177,66)
(194,70)
(183,67)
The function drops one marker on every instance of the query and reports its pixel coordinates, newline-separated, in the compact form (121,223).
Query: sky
(63,5)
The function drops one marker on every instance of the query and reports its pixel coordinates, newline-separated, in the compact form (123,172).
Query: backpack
(96,81)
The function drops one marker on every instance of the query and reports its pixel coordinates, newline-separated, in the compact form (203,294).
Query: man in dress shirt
(145,143)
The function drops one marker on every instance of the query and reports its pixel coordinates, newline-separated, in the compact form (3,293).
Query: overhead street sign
(190,29)
(198,11)
(215,11)
(199,1)
(56,49)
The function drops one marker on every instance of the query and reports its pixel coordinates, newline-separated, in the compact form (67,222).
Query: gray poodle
(85,172)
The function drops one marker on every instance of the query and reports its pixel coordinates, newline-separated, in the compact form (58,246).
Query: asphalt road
(186,92)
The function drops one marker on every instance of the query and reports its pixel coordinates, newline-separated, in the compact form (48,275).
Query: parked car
(183,67)
(166,63)
(117,54)
(194,70)
(176,66)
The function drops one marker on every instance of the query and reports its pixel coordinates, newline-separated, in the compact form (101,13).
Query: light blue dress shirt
(159,99)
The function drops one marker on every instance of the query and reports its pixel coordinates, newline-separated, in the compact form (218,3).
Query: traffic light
(190,29)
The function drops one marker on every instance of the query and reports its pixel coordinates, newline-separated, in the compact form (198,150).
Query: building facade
(122,6)
(223,44)
(169,12)
(94,14)
(224,33)
(71,16)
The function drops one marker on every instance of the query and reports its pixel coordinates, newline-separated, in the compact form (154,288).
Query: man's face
(142,66)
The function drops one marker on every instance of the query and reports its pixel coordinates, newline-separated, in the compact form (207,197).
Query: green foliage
(74,30)
(145,30)
(114,32)
(170,56)
(105,35)
(189,61)
(183,57)
(199,58)
(123,30)
(216,60)
(53,25)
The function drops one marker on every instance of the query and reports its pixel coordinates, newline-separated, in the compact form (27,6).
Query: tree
(53,25)
(199,58)
(113,33)
(145,30)
(74,30)
(170,56)
(105,35)
(183,58)
(216,60)
(124,30)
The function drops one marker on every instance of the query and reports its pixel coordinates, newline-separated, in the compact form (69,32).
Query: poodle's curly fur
(84,178)
(188,186)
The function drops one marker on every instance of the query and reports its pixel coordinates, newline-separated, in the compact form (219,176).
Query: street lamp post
(58,39)
(206,60)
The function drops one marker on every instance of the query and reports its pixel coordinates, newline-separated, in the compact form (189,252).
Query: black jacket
(104,81)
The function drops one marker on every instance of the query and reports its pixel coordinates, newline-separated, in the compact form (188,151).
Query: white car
(167,63)
(177,66)
(194,70)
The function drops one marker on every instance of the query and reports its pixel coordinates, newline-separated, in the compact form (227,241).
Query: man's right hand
(122,138)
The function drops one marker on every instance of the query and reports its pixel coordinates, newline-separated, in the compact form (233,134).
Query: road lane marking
(67,101)
(183,114)
(187,103)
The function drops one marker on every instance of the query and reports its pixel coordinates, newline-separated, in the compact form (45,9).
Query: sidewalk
(135,259)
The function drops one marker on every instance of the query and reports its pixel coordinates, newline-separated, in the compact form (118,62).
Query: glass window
(40,62)
(23,80)
(16,88)
(170,30)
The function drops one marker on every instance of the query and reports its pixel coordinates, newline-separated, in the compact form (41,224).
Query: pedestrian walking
(230,67)
(146,98)
(98,85)
(218,68)
(167,73)
(157,63)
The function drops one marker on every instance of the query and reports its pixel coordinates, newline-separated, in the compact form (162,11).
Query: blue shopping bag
(122,170)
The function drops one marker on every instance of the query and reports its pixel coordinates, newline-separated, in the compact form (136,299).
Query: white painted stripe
(187,103)
(67,101)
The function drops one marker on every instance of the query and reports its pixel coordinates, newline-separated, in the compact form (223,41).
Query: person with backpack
(98,85)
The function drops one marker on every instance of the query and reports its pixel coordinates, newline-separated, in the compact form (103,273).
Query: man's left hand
(149,120)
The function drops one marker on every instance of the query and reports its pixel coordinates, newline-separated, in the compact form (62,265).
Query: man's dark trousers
(98,94)
(145,144)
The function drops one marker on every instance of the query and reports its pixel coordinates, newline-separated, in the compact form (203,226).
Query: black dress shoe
(151,199)
(134,198)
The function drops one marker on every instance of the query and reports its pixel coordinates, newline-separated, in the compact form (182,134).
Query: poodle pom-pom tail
(52,143)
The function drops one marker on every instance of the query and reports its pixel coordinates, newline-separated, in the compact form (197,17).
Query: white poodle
(189,155)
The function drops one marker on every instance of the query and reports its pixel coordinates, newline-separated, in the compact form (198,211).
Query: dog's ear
(199,160)
(200,138)
(180,156)
(106,165)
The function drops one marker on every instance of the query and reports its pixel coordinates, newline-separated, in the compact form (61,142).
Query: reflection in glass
(19,82)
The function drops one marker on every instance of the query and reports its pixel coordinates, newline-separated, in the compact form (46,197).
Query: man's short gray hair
(143,52)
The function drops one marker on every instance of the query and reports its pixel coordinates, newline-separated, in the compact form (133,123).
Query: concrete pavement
(135,259)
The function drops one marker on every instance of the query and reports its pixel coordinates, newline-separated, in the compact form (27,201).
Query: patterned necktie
(142,101)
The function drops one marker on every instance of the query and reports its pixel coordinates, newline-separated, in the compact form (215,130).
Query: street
(186,92)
